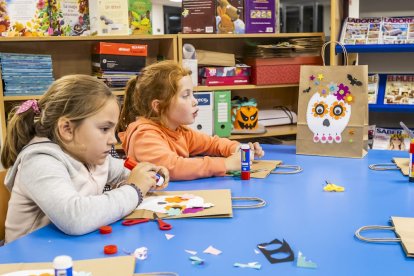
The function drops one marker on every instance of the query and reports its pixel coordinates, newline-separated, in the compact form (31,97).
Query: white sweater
(48,185)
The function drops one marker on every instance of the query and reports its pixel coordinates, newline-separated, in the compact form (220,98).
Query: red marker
(130,164)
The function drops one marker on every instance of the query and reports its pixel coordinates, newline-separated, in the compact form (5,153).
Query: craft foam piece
(254,265)
(169,236)
(212,250)
(256,251)
(141,253)
(302,262)
(196,260)
(191,252)
(329,187)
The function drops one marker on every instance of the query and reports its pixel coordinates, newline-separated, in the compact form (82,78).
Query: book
(399,89)
(140,16)
(373,83)
(260,16)
(398,30)
(70,18)
(109,17)
(361,31)
(391,139)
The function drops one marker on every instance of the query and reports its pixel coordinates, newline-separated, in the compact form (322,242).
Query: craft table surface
(319,224)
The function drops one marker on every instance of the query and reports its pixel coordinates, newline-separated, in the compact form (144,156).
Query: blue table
(319,224)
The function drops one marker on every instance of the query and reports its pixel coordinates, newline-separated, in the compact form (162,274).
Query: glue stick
(63,265)
(130,164)
(410,167)
(245,161)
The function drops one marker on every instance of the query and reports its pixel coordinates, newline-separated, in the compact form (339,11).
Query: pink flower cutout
(343,90)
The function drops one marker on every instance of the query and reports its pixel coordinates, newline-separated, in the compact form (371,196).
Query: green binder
(222,118)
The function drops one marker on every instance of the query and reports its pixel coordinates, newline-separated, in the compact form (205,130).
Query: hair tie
(27,105)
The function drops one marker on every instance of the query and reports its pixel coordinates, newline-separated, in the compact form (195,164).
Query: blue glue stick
(245,161)
(130,164)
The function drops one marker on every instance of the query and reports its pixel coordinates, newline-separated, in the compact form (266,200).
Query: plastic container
(63,265)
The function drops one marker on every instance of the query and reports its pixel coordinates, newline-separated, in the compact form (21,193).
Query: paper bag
(221,199)
(333,110)
(120,266)
(403,164)
(403,228)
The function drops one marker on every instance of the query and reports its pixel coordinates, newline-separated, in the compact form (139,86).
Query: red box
(122,49)
(267,71)
(217,81)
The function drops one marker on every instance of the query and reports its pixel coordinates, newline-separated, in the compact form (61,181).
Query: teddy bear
(228,21)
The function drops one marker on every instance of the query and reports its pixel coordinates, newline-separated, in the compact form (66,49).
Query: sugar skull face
(327,117)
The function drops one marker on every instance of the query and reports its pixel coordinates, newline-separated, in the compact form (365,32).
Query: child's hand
(143,176)
(233,162)
(257,149)
(163,171)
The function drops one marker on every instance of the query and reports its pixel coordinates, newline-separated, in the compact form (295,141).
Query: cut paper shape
(169,236)
(141,253)
(302,262)
(330,187)
(212,250)
(196,260)
(256,251)
(191,252)
(254,265)
(353,80)
(284,248)
(193,210)
(173,205)
(174,211)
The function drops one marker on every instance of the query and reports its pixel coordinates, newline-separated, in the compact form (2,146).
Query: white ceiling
(167,3)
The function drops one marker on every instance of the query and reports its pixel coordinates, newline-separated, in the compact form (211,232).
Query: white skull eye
(320,109)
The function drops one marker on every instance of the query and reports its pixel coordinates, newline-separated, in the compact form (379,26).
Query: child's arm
(149,146)
(203,144)
(71,211)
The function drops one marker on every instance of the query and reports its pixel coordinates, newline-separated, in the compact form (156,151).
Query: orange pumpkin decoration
(246,117)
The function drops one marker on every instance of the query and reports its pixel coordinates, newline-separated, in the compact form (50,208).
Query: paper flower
(342,91)
(332,86)
(337,110)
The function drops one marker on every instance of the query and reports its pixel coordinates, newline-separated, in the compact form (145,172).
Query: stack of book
(25,74)
(116,63)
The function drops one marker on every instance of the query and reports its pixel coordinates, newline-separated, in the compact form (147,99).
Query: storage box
(267,71)
(122,49)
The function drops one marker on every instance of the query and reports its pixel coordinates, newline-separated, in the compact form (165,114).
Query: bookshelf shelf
(376,48)
(270,131)
(241,87)
(391,108)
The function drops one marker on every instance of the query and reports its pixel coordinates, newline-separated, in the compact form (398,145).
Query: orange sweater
(146,140)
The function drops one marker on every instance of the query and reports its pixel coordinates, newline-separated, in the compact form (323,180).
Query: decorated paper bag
(333,110)
(403,228)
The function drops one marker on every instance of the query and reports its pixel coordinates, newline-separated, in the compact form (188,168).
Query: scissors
(161,224)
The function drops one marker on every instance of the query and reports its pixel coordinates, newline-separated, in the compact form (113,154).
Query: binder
(204,120)
(222,118)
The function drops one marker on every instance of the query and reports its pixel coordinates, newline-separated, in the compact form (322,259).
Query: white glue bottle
(63,265)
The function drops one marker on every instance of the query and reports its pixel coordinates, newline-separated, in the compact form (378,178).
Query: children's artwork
(329,109)
(181,204)
(174,205)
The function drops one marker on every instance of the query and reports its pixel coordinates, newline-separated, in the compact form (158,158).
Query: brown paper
(215,58)
(263,167)
(404,228)
(120,266)
(220,198)
(403,164)
(355,135)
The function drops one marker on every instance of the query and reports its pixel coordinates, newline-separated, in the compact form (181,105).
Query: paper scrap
(329,187)
(212,250)
(302,262)
(191,252)
(169,236)
(254,265)
(256,251)
(141,253)
(196,260)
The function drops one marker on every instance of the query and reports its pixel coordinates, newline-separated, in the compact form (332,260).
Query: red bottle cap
(110,249)
(105,230)
(245,175)
(129,163)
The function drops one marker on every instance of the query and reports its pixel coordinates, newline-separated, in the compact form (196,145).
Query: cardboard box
(260,16)
(105,62)
(122,49)
(231,71)
(266,71)
(198,17)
